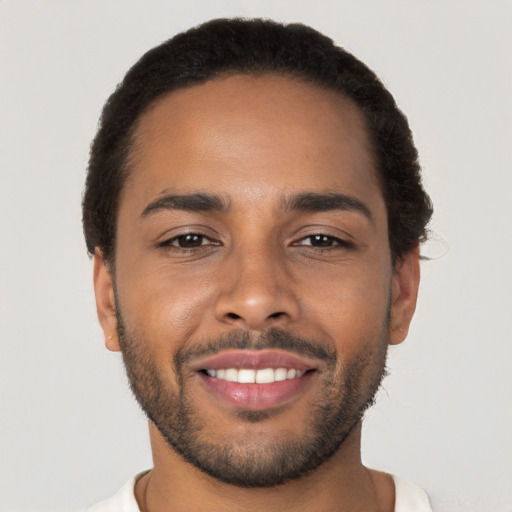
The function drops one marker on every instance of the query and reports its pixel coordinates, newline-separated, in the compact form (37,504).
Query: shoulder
(409,497)
(124,500)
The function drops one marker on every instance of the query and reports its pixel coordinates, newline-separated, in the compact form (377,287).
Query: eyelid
(168,242)
(333,231)
(340,242)
(166,232)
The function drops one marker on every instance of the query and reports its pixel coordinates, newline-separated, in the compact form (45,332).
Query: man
(254,207)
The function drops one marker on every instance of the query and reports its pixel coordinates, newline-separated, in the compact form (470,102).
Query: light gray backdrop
(70,432)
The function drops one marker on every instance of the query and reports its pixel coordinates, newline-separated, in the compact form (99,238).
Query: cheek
(167,309)
(351,308)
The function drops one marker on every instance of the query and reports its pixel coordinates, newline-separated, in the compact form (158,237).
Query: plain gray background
(70,433)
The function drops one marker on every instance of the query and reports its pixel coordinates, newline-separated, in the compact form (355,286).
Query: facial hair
(347,390)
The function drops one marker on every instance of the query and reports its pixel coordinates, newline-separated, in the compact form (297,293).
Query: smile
(251,376)
(255,379)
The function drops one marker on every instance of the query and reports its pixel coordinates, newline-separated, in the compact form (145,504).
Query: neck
(340,484)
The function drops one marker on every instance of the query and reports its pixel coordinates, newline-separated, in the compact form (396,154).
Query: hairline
(131,140)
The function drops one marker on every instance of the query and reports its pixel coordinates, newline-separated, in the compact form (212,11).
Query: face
(254,295)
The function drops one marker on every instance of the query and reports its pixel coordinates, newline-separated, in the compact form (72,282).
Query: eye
(322,241)
(189,241)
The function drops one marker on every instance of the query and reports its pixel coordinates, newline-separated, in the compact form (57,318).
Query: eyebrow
(307,202)
(315,202)
(188,202)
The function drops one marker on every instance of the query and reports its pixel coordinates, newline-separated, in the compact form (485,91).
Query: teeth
(248,376)
(280,374)
(265,376)
(231,374)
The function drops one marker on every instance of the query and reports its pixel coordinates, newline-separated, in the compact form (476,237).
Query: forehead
(244,135)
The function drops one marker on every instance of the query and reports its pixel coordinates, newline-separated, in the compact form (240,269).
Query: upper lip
(254,359)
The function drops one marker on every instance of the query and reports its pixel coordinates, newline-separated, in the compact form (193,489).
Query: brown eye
(321,241)
(188,241)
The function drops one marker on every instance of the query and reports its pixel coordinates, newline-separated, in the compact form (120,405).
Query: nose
(256,292)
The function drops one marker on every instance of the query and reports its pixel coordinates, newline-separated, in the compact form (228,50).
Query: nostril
(234,316)
(277,315)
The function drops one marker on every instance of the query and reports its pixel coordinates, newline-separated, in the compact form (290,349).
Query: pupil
(321,240)
(190,240)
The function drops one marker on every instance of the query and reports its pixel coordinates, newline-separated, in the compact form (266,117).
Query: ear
(404,292)
(105,301)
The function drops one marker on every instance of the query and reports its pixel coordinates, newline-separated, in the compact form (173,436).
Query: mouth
(255,380)
(250,376)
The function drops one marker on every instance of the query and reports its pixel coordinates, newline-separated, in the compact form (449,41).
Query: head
(230,47)
(254,205)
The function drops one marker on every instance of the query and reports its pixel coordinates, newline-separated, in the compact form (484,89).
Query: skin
(256,141)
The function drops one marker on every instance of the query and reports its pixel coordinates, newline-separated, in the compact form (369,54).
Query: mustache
(274,338)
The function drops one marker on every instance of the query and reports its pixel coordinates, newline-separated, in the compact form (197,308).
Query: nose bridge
(256,290)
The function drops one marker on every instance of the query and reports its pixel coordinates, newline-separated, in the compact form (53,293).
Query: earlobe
(105,301)
(404,293)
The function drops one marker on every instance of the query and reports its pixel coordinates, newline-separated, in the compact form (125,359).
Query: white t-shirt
(408,498)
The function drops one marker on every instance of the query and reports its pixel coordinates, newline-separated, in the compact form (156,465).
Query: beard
(347,390)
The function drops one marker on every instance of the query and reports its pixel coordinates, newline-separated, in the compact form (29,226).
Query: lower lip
(256,397)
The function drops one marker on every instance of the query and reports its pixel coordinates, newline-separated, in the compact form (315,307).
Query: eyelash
(336,243)
(168,244)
